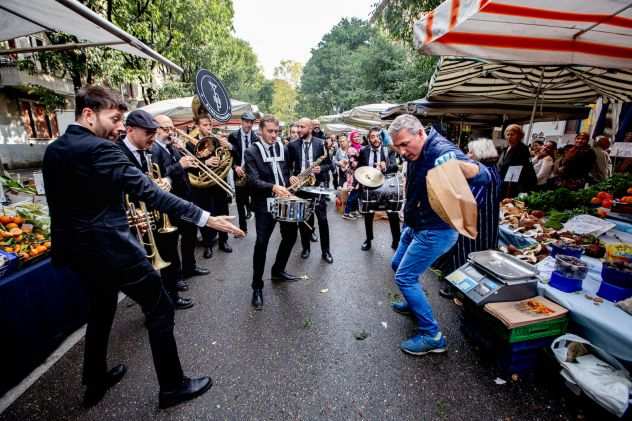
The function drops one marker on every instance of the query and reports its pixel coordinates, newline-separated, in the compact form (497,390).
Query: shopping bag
(450,197)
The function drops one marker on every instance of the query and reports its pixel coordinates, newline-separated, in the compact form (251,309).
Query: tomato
(602,195)
(601,212)
(629,192)
(595,201)
(607,203)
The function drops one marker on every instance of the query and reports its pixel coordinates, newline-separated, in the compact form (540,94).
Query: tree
(399,16)
(356,64)
(289,71)
(283,100)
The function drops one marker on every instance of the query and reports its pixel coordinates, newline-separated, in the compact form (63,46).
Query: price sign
(39,182)
(513,174)
(621,150)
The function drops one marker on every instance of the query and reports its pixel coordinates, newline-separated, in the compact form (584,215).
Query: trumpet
(143,222)
(205,170)
(156,176)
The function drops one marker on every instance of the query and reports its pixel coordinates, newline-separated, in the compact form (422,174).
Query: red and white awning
(581,32)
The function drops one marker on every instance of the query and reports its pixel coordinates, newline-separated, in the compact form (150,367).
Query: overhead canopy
(486,112)
(589,32)
(179,110)
(360,118)
(467,79)
(20,18)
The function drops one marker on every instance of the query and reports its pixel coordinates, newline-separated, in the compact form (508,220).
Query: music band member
(425,236)
(92,235)
(302,154)
(240,141)
(268,176)
(137,146)
(376,155)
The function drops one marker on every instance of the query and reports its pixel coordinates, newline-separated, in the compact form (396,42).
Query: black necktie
(306,152)
(375,158)
(143,161)
(271,149)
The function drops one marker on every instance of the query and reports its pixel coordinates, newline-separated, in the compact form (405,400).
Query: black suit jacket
(169,163)
(261,177)
(235,140)
(518,156)
(391,161)
(86,178)
(295,150)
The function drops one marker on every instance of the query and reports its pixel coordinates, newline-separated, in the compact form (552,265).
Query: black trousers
(168,249)
(203,198)
(243,201)
(264,224)
(320,209)
(219,206)
(143,285)
(187,232)
(393,221)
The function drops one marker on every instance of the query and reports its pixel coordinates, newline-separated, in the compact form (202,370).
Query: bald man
(301,154)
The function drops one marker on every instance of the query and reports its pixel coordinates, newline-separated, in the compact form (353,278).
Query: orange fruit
(5,219)
(11,225)
(47,244)
(18,220)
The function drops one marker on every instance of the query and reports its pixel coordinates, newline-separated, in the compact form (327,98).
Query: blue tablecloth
(39,307)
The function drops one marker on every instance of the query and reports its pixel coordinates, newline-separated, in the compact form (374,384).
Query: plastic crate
(10,265)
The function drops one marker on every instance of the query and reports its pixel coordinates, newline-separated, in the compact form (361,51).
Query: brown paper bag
(450,197)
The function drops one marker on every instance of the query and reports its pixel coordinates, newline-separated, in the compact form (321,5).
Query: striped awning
(465,79)
(579,32)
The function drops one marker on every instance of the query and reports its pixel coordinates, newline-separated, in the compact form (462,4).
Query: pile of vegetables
(25,232)
(17,187)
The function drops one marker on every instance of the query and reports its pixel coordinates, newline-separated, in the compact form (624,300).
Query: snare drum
(290,209)
(388,197)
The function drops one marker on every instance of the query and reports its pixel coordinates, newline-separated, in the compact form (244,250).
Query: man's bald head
(166,127)
(304,128)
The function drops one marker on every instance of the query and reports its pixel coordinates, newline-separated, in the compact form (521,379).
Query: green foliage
(283,100)
(398,16)
(357,64)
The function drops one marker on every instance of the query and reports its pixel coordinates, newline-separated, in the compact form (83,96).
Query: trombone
(197,163)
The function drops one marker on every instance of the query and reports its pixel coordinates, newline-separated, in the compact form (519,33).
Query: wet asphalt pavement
(299,358)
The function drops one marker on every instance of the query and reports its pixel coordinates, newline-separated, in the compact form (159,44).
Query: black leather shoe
(257,299)
(208,252)
(327,257)
(225,247)
(181,286)
(94,393)
(196,271)
(248,215)
(182,303)
(187,390)
(395,244)
(305,253)
(314,237)
(366,245)
(284,277)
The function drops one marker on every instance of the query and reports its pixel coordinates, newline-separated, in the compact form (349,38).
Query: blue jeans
(352,202)
(417,251)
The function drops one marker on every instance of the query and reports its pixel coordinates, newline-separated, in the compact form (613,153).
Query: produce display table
(40,306)
(605,325)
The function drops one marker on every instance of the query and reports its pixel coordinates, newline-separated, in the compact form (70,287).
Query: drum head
(318,190)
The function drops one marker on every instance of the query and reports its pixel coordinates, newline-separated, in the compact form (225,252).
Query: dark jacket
(169,163)
(517,156)
(295,151)
(384,155)
(261,177)
(86,178)
(235,140)
(417,211)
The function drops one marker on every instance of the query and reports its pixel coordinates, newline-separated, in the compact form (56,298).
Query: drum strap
(382,156)
(308,158)
(273,160)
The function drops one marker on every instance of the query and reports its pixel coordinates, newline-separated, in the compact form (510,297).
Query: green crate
(555,327)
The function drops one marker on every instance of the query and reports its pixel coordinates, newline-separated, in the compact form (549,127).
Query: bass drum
(388,197)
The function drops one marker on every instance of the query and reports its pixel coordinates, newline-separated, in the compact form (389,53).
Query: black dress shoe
(327,257)
(257,299)
(305,254)
(196,271)
(248,215)
(395,244)
(366,245)
(225,247)
(284,277)
(94,393)
(181,286)
(208,252)
(182,303)
(187,390)
(314,238)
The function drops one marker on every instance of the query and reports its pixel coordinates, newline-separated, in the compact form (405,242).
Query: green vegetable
(16,186)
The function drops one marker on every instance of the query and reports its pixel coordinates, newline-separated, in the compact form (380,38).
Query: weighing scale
(492,276)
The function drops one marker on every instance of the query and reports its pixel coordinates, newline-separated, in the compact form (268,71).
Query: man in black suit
(92,235)
(376,155)
(138,144)
(240,141)
(302,154)
(174,163)
(268,176)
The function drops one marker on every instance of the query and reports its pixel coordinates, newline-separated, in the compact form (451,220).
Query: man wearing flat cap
(241,140)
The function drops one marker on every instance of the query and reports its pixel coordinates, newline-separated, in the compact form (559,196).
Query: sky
(289,29)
